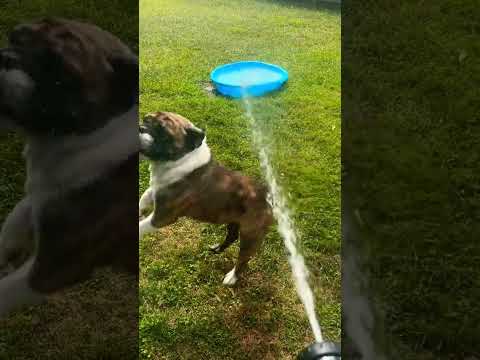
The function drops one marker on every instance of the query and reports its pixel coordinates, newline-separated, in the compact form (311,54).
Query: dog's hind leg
(233,230)
(16,238)
(16,291)
(250,242)
(252,233)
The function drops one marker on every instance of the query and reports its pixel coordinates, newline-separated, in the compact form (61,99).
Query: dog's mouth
(15,83)
(9,59)
(153,143)
(146,140)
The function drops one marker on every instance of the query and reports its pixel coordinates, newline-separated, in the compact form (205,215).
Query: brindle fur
(217,195)
(82,159)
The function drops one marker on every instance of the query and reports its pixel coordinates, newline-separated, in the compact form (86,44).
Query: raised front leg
(145,227)
(146,202)
(166,211)
(16,237)
(152,223)
(16,291)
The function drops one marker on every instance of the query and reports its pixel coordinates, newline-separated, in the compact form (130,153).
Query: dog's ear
(194,138)
(125,79)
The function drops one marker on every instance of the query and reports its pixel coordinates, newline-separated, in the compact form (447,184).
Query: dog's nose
(142,129)
(8,59)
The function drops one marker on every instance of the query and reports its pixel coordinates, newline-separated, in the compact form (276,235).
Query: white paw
(230,279)
(145,227)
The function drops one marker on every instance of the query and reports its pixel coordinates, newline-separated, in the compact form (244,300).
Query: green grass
(185,311)
(91,321)
(412,106)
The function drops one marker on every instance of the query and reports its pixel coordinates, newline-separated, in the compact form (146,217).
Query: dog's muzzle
(146,140)
(16,85)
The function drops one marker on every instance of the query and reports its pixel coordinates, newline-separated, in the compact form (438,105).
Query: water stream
(286,226)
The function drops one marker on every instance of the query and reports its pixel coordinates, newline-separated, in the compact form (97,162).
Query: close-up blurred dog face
(167,136)
(60,76)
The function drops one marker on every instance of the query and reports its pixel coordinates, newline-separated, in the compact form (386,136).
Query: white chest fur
(163,174)
(54,163)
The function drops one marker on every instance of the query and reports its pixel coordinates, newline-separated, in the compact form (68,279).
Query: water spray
(252,78)
(320,349)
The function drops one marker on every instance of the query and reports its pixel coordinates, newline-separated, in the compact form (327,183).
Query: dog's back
(219,195)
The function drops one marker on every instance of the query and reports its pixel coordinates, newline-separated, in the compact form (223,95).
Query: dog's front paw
(143,213)
(231,278)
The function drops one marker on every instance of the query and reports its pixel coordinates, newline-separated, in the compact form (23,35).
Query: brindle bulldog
(72,90)
(186,182)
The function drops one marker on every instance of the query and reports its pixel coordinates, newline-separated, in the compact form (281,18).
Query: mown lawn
(410,144)
(185,312)
(98,319)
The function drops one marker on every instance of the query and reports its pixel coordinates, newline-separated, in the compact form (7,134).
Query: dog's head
(60,76)
(166,136)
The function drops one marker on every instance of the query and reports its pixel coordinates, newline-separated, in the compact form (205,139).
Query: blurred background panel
(98,319)
(411,165)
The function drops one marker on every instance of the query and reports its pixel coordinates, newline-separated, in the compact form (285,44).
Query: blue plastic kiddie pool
(252,78)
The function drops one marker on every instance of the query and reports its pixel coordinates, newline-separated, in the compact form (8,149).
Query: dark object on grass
(324,350)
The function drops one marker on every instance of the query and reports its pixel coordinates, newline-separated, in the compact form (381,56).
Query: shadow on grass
(243,331)
(327,5)
(255,327)
(245,323)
